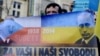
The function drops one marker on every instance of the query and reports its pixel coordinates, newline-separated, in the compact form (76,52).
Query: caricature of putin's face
(86,26)
(85,30)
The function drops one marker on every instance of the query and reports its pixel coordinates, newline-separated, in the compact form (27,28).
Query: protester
(52,8)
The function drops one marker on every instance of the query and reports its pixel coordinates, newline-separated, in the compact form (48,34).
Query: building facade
(1,3)
(16,8)
(24,8)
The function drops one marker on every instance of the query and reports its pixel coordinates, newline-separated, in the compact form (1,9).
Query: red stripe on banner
(27,36)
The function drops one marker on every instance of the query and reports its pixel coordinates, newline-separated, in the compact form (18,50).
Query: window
(17,5)
(16,11)
(1,2)
(13,13)
(18,14)
(14,6)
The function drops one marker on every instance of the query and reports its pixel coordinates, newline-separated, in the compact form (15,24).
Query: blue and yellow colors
(51,35)
(97,28)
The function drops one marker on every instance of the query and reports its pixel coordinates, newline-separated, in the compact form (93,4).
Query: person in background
(64,11)
(72,6)
(53,8)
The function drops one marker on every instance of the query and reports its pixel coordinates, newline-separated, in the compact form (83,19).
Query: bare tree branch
(8,7)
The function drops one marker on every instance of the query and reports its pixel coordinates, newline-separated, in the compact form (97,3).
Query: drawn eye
(81,25)
(87,24)
(84,25)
